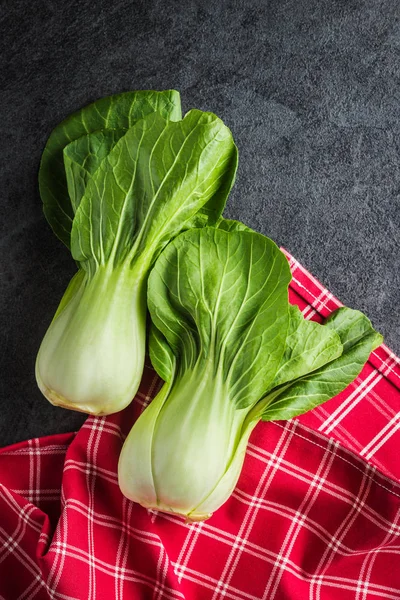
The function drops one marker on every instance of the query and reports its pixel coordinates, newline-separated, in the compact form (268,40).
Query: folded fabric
(315,514)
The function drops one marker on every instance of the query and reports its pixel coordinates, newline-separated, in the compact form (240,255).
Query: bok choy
(119,180)
(232,352)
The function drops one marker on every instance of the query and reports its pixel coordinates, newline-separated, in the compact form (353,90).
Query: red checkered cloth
(315,514)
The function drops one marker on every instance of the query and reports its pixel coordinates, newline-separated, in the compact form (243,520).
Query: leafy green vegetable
(130,195)
(118,112)
(231,351)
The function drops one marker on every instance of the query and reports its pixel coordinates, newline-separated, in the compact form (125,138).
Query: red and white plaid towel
(315,514)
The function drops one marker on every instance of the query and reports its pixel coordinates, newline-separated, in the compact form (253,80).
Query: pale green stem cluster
(185,452)
(92,356)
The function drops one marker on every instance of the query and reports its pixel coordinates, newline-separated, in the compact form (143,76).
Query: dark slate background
(311,92)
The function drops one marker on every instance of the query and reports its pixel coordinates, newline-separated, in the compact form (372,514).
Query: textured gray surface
(311,91)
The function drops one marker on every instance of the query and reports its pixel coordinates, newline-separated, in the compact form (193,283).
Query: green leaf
(83,157)
(358,339)
(353,327)
(211,212)
(220,297)
(231,225)
(309,346)
(151,184)
(120,111)
(161,355)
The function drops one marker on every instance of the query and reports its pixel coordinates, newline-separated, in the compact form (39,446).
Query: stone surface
(311,92)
